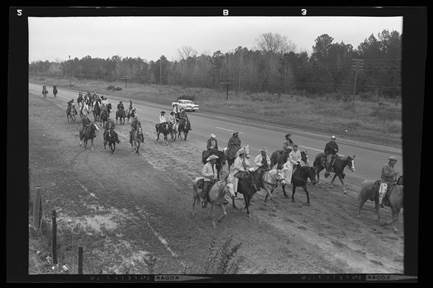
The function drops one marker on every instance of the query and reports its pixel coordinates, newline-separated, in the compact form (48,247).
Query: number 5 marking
(304,12)
(19,12)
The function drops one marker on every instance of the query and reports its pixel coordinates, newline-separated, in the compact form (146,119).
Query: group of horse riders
(241,165)
(173,118)
(45,91)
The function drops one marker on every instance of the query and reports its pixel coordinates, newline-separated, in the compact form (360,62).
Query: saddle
(242,174)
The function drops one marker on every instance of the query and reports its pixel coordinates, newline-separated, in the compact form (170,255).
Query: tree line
(273,67)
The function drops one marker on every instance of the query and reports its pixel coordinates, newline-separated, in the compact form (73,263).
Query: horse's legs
(224,213)
(233,202)
(333,178)
(342,183)
(308,194)
(293,192)
(284,190)
(361,203)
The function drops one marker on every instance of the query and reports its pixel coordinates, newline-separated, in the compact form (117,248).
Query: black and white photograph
(209,145)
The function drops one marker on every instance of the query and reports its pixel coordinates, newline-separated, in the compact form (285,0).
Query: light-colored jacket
(208,173)
(259,158)
(171,119)
(294,157)
(238,165)
(162,119)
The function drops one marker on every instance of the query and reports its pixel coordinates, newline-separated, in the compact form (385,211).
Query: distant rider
(172,120)
(295,157)
(233,145)
(241,167)
(135,124)
(109,127)
(331,150)
(162,119)
(120,106)
(388,178)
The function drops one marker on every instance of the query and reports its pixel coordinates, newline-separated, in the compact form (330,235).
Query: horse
(44,91)
(172,129)
(71,112)
(269,181)
(104,116)
(54,91)
(120,114)
(184,127)
(248,185)
(162,128)
(394,199)
(299,179)
(217,197)
(219,162)
(88,133)
(137,138)
(338,167)
(111,138)
(279,157)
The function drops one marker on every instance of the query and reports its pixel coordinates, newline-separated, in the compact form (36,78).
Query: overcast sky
(150,37)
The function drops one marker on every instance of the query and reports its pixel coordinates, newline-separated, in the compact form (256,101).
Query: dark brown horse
(111,138)
(183,127)
(279,157)
(338,167)
(71,113)
(88,133)
(162,128)
(299,179)
(249,184)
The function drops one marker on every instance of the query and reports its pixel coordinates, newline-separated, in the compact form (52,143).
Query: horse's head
(350,162)
(311,174)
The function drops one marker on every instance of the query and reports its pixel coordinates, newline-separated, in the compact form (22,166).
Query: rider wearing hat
(241,166)
(162,118)
(172,119)
(388,178)
(210,174)
(212,143)
(331,150)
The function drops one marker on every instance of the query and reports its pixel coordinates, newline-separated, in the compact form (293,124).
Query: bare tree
(185,52)
(275,43)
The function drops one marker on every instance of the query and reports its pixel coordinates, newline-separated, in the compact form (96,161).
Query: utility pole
(160,71)
(357,66)
(70,71)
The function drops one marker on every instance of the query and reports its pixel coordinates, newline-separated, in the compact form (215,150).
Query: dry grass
(372,120)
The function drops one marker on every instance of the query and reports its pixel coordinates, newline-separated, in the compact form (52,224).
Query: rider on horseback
(212,143)
(109,126)
(233,145)
(172,119)
(331,150)
(263,160)
(120,106)
(288,143)
(162,119)
(295,157)
(241,168)
(183,115)
(135,124)
(210,175)
(388,179)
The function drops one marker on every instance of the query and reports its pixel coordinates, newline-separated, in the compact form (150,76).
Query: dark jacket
(233,146)
(331,148)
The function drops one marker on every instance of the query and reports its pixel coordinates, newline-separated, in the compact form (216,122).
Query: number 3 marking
(304,12)
(19,12)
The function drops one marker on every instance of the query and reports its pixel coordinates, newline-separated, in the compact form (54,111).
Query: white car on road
(188,105)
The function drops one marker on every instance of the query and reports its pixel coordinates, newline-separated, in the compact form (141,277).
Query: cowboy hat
(213,135)
(263,149)
(211,157)
(392,158)
(162,112)
(288,135)
(333,137)
(236,133)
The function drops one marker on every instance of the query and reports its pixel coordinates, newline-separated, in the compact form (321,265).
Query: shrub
(224,259)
